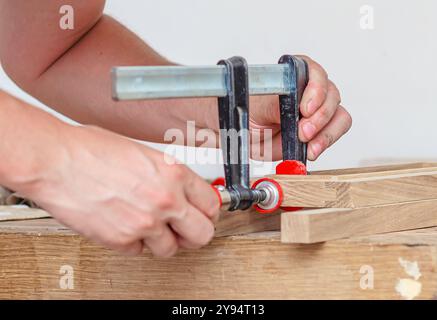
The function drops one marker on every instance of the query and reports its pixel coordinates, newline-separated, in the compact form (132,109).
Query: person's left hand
(324,120)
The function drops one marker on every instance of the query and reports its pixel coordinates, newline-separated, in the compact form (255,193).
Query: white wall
(387,76)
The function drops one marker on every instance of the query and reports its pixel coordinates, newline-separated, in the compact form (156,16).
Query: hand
(324,119)
(124,195)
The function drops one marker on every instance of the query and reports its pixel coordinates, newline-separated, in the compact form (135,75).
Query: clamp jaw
(265,194)
(234,135)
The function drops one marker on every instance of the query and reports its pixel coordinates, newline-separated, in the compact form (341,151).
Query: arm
(94,182)
(69,71)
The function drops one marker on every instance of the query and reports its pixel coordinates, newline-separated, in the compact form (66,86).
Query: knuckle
(177,172)
(165,200)
(324,114)
(147,223)
(169,159)
(317,86)
(181,213)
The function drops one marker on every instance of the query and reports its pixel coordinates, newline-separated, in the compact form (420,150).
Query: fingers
(316,90)
(132,249)
(185,204)
(164,245)
(338,126)
(324,120)
(194,228)
(200,195)
(194,190)
(309,127)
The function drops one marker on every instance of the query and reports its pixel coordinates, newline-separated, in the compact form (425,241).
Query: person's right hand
(124,195)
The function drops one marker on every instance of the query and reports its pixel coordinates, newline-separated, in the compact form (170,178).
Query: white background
(387,76)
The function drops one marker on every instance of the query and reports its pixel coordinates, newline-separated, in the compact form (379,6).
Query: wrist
(31,151)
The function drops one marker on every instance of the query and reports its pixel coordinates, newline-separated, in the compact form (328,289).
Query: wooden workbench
(35,253)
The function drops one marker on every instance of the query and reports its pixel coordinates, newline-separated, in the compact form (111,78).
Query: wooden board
(312,226)
(353,189)
(235,223)
(230,223)
(18,212)
(35,257)
(376,168)
(243,222)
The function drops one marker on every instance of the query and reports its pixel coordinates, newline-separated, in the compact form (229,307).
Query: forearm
(74,78)
(86,88)
(30,143)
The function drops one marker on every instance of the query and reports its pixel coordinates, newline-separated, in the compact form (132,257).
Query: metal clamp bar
(160,82)
(289,103)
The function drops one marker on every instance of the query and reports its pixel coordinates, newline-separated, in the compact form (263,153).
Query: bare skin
(98,176)
(69,71)
(92,180)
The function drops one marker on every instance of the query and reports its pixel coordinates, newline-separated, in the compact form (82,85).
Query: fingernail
(309,130)
(311,107)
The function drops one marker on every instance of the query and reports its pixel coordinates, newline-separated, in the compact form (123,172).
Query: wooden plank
(243,222)
(390,167)
(254,266)
(236,223)
(18,212)
(230,223)
(312,226)
(359,189)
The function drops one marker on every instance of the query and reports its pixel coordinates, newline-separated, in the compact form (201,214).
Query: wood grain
(243,222)
(254,266)
(353,190)
(377,168)
(312,226)
(18,212)
(230,223)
